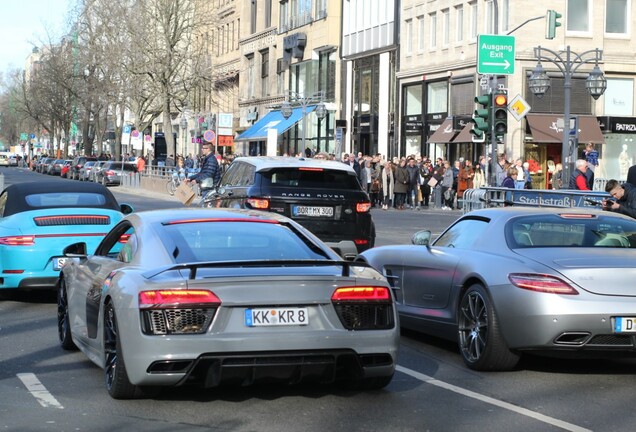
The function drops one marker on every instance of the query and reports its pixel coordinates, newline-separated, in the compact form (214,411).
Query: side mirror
(421,238)
(75,250)
(126,208)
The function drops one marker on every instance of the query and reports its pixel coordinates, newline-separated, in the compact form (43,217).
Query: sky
(24,22)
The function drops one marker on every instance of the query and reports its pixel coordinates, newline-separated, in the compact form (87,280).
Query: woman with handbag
(387,185)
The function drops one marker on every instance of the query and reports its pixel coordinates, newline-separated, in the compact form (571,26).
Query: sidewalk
(144,192)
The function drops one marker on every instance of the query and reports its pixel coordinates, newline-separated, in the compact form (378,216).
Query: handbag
(432,182)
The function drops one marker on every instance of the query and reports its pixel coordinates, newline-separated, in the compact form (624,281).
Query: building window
(489,23)
(421,33)
(433,28)
(616,13)
(459,25)
(253,14)
(250,76)
(409,37)
(578,16)
(474,12)
(284,16)
(265,73)
(445,27)
(437,97)
(619,97)
(268,13)
(505,15)
(321,9)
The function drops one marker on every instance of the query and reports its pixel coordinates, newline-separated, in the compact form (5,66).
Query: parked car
(76,166)
(13,160)
(4,160)
(65,168)
(85,171)
(43,166)
(112,172)
(40,218)
(505,281)
(323,196)
(55,168)
(214,297)
(92,174)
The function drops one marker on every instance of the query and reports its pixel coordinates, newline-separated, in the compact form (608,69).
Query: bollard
(1,181)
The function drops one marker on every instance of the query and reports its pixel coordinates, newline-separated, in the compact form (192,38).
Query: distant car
(55,168)
(112,172)
(323,196)
(65,168)
(77,164)
(43,165)
(13,160)
(212,297)
(4,160)
(85,171)
(92,174)
(505,281)
(40,218)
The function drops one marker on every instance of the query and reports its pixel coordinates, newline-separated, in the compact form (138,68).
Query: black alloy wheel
(117,382)
(63,322)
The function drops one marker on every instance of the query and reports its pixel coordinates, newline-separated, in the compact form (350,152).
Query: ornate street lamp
(184,125)
(568,63)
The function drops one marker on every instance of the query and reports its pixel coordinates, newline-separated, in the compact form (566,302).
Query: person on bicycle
(209,170)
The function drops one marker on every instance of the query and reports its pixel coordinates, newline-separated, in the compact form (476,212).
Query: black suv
(76,166)
(323,196)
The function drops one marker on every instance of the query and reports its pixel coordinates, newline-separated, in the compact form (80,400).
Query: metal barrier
(1,181)
(497,197)
(131,180)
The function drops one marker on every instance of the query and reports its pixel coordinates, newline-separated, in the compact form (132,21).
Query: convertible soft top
(16,196)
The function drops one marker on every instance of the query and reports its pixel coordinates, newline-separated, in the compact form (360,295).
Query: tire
(170,187)
(480,341)
(115,376)
(63,323)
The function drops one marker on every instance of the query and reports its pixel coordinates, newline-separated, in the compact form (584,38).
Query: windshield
(310,178)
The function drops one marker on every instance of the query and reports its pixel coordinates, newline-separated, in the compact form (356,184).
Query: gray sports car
(507,280)
(209,297)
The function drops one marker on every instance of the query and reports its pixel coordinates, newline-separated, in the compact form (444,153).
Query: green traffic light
(551,23)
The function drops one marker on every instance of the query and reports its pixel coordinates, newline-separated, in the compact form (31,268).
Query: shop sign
(413,123)
(622,125)
(436,117)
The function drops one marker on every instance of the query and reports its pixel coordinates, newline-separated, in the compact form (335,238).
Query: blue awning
(273,120)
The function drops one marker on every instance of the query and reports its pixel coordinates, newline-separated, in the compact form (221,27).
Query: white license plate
(58,263)
(313,211)
(625,325)
(276,317)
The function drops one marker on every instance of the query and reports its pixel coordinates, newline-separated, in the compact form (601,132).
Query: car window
(231,174)
(115,244)
(463,234)
(235,241)
(310,178)
(54,199)
(3,203)
(571,231)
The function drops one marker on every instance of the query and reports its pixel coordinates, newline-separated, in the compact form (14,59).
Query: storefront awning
(464,136)
(544,129)
(273,120)
(444,133)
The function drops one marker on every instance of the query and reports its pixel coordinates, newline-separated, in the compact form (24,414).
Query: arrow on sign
(505,64)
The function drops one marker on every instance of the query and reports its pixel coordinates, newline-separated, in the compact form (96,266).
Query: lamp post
(298,99)
(184,125)
(568,63)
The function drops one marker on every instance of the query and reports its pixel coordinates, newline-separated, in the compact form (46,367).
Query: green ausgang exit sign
(496,54)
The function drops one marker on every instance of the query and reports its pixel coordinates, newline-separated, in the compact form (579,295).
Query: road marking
(505,405)
(39,392)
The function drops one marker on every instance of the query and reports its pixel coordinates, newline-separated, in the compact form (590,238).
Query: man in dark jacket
(579,179)
(414,183)
(625,198)
(353,163)
(209,169)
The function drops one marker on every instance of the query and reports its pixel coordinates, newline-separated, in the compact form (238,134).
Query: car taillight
(364,308)
(361,293)
(177,311)
(110,173)
(176,298)
(360,242)
(259,204)
(363,207)
(18,240)
(541,283)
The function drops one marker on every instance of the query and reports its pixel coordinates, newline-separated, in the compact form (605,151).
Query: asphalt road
(43,388)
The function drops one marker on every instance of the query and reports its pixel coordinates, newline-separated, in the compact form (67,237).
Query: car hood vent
(72,220)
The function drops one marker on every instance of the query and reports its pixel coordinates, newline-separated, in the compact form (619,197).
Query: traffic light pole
(493,87)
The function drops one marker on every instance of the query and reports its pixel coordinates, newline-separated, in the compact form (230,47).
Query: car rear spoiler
(193,267)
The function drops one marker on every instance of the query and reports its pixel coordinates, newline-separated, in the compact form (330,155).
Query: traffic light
(551,23)
(500,113)
(481,119)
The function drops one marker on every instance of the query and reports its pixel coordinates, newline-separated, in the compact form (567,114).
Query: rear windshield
(310,178)
(71,199)
(557,231)
(117,166)
(235,241)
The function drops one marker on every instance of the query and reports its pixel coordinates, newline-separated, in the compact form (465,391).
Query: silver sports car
(508,280)
(208,297)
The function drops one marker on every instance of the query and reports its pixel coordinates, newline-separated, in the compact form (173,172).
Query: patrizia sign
(496,54)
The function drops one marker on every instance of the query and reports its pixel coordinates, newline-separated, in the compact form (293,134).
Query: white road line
(39,392)
(505,405)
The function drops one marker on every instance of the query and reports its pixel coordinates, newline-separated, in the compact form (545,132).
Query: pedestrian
(465,178)
(557,177)
(141,164)
(579,179)
(401,185)
(366,176)
(591,156)
(479,179)
(447,187)
(414,184)
(210,174)
(625,198)
(388,183)
(426,173)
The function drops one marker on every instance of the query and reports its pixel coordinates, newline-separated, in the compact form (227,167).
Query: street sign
(496,54)
(209,136)
(518,107)
(225,120)
(24,136)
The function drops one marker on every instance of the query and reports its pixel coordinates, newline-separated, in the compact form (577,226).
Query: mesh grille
(613,340)
(177,321)
(364,316)
(72,220)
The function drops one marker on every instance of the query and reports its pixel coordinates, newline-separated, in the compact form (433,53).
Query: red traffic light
(501,100)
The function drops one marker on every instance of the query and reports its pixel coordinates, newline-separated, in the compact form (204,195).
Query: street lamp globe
(596,83)
(539,81)
(321,111)
(286,110)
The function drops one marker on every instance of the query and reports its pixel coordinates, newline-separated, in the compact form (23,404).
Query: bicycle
(174,182)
